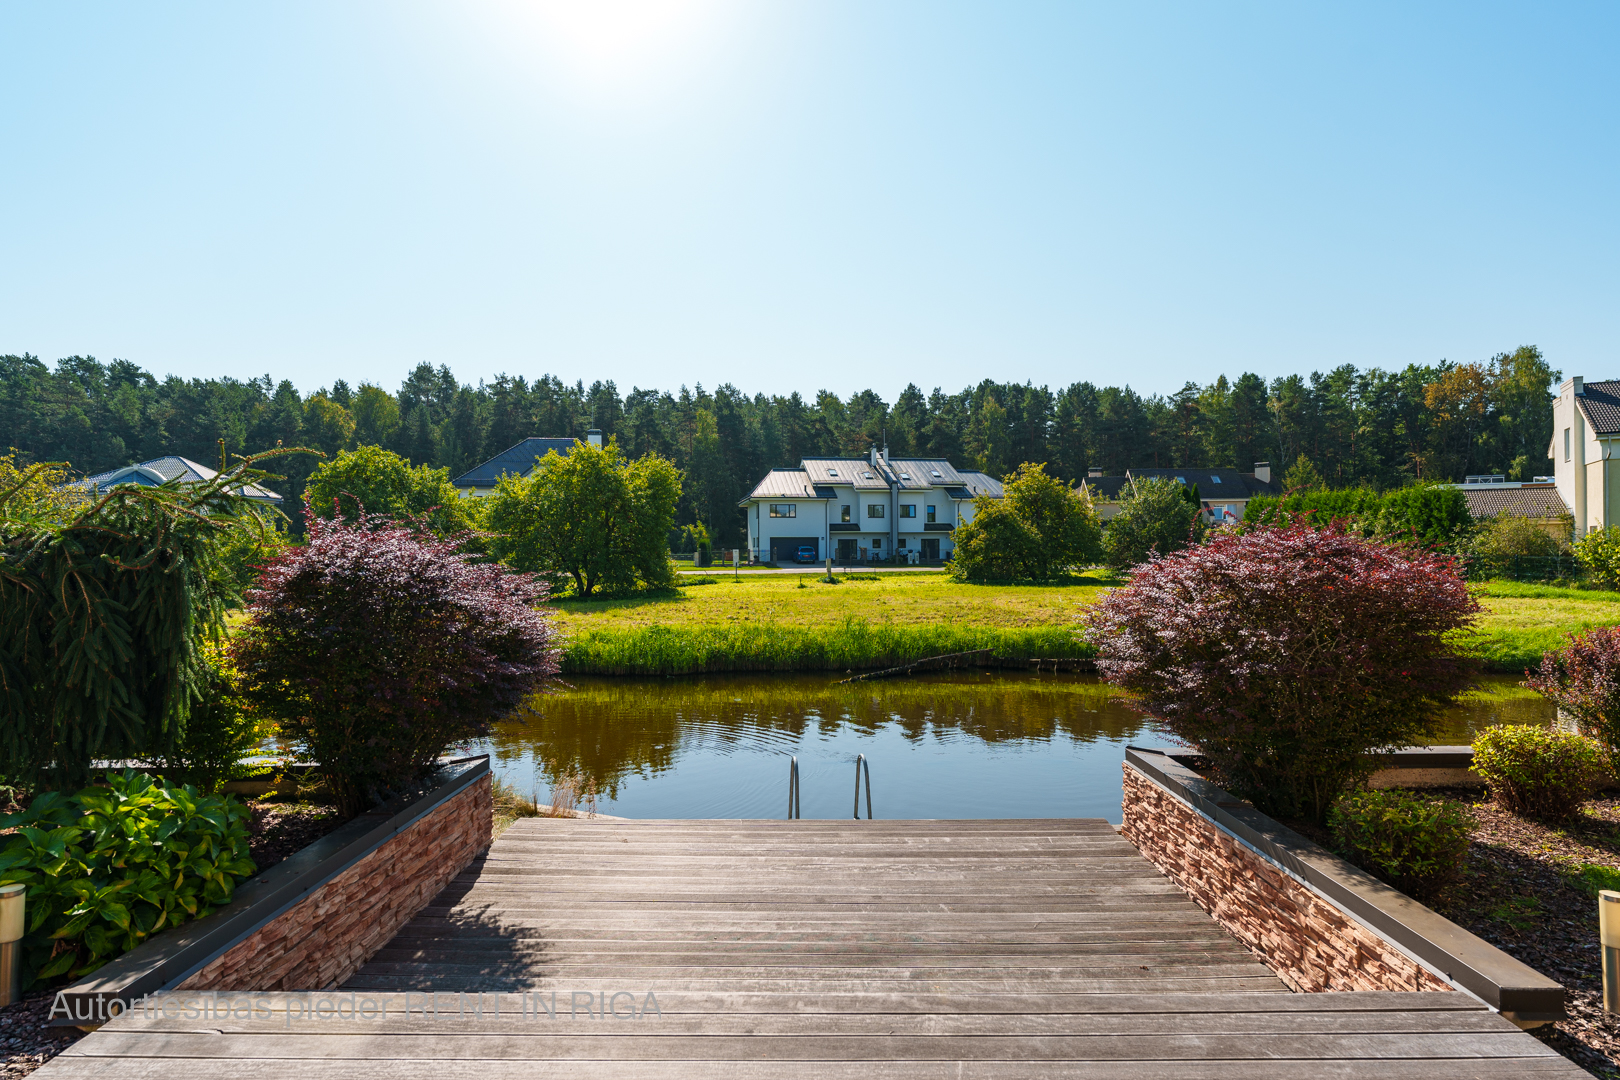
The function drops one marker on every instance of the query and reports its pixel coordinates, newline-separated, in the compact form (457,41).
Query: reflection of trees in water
(608,729)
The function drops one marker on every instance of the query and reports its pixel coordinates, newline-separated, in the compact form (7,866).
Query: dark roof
(926,472)
(1600,401)
(1213,485)
(1106,488)
(519,459)
(1530,500)
(164,469)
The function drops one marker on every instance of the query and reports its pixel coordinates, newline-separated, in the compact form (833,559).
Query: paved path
(820,950)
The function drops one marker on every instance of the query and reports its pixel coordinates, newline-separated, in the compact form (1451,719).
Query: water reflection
(967,745)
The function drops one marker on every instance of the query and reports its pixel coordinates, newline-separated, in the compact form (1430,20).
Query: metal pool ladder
(862,764)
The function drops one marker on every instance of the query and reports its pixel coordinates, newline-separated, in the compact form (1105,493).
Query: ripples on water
(969,745)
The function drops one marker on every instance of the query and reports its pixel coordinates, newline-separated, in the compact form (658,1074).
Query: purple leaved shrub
(1285,655)
(378,646)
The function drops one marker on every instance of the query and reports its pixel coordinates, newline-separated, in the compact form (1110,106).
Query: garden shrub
(1417,845)
(1583,680)
(222,732)
(1038,531)
(372,482)
(1155,518)
(377,647)
(1538,772)
(104,613)
(1599,552)
(108,867)
(1286,655)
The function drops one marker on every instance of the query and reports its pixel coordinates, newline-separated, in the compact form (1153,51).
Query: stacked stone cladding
(325,937)
(1307,940)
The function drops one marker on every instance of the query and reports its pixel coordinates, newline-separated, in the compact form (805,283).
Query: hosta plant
(110,866)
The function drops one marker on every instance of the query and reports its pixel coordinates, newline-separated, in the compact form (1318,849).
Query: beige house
(1585,442)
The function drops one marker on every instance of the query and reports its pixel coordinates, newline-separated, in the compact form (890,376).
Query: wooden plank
(79,1067)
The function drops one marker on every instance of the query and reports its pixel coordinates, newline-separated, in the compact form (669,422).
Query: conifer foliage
(105,606)
(378,646)
(1285,655)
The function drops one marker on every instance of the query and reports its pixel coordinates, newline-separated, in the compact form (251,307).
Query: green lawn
(785,622)
(1524,621)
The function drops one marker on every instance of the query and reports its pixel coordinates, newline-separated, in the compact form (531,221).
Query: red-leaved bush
(378,646)
(1583,678)
(1284,655)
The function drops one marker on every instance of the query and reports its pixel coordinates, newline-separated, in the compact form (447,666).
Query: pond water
(981,745)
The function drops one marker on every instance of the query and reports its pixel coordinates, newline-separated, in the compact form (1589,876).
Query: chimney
(1262,471)
(594,437)
(1093,472)
(874,453)
(1579,385)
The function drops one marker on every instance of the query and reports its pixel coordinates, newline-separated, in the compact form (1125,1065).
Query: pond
(975,745)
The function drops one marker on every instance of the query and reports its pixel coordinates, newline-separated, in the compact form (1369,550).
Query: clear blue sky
(793,196)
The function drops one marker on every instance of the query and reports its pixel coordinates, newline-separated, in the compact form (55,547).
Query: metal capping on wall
(1516,990)
(169,958)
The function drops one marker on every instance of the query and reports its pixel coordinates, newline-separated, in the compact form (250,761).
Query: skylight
(905,476)
(832,472)
(937,472)
(1181,479)
(867,475)
(1214,479)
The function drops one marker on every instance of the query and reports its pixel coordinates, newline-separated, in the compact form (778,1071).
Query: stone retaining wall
(1307,940)
(325,937)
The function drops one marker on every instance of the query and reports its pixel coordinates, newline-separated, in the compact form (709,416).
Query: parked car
(806,553)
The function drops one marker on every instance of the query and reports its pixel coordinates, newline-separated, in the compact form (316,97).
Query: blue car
(805,554)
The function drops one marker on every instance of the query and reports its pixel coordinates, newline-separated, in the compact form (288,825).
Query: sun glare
(616,40)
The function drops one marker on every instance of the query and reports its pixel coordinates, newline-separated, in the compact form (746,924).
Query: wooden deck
(800,950)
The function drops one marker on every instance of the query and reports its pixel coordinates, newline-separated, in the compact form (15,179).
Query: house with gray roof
(1585,442)
(161,471)
(862,509)
(480,481)
(1223,494)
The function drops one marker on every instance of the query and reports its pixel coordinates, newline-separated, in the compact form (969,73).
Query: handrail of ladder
(862,763)
(793,788)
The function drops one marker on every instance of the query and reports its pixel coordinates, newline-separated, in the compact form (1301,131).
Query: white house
(161,471)
(1586,429)
(479,481)
(861,509)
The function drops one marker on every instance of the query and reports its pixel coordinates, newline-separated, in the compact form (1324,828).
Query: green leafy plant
(1599,552)
(1595,878)
(104,613)
(224,730)
(1417,845)
(1038,530)
(1536,772)
(380,484)
(108,867)
(1154,519)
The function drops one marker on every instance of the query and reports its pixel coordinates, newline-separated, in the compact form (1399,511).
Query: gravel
(26,1040)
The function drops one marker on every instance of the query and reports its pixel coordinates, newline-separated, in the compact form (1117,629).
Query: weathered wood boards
(803,950)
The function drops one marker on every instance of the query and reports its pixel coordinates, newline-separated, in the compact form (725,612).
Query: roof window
(832,472)
(1214,479)
(937,472)
(1181,479)
(867,475)
(905,476)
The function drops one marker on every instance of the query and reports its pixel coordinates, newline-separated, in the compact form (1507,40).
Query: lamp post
(12,899)
(1609,936)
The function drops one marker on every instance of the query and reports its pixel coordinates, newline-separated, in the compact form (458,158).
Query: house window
(1214,479)
(877,545)
(930,512)
(902,544)
(843,513)
(908,510)
(1566,444)
(874,510)
(784,510)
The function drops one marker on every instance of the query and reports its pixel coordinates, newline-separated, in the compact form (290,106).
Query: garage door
(785,549)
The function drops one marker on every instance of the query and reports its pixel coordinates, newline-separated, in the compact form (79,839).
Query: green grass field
(867,621)
(800,623)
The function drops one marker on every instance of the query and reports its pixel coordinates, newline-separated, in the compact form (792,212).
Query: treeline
(1372,427)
